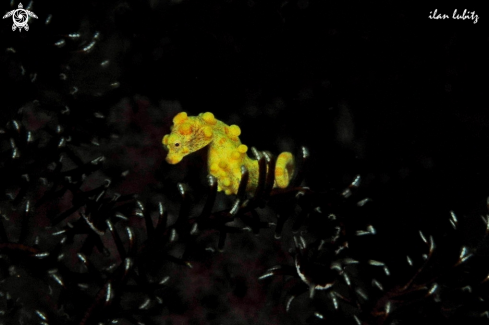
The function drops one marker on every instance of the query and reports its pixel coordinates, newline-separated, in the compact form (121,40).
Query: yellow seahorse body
(226,152)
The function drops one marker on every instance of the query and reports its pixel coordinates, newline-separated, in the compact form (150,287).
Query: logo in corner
(20,17)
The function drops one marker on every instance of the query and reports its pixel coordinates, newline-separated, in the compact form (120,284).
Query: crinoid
(323,266)
(445,283)
(76,249)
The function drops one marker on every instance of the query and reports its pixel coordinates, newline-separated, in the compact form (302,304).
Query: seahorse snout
(173,159)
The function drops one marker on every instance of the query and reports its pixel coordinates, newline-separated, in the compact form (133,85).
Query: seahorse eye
(177,144)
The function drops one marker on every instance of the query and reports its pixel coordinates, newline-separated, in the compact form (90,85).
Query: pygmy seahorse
(226,152)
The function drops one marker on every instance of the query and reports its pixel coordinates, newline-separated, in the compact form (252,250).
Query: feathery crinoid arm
(226,152)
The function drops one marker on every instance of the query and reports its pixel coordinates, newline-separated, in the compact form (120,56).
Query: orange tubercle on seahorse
(226,152)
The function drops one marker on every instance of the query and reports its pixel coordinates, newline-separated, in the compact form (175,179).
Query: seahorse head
(188,134)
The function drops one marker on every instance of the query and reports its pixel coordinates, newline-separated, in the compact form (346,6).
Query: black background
(372,89)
